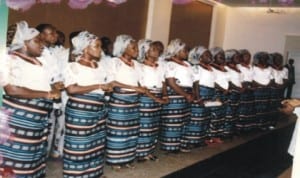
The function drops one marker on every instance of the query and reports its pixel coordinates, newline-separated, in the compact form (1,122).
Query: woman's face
(220,58)
(94,49)
(236,58)
(49,35)
(183,54)
(132,50)
(206,57)
(246,58)
(152,54)
(34,47)
(278,61)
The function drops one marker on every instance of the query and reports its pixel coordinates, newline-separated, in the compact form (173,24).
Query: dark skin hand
(196,91)
(172,83)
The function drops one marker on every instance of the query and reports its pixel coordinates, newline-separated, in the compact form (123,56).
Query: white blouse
(235,77)
(222,78)
(262,76)
(183,74)
(4,70)
(50,61)
(205,77)
(61,56)
(24,74)
(247,73)
(76,73)
(151,77)
(279,75)
(121,72)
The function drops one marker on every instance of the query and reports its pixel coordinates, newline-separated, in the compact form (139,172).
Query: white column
(158,20)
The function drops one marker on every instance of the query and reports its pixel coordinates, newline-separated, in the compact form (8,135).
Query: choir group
(93,108)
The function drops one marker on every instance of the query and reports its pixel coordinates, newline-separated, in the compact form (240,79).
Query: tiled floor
(168,163)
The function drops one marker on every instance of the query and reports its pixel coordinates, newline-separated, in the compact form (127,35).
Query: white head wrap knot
(174,47)
(195,54)
(81,41)
(229,54)
(23,33)
(144,46)
(121,43)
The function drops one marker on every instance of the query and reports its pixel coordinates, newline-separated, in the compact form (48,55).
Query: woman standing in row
(221,91)
(151,77)
(262,77)
(176,115)
(280,75)
(85,134)
(246,116)
(28,99)
(204,90)
(235,89)
(123,115)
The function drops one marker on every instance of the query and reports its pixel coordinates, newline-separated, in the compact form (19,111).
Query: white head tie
(23,33)
(174,47)
(121,43)
(195,54)
(215,50)
(81,41)
(229,54)
(144,46)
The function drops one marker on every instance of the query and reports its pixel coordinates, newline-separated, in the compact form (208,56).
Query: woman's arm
(122,85)
(172,83)
(22,92)
(77,89)
(218,87)
(196,90)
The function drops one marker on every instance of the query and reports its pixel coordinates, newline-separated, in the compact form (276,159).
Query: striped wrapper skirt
(275,102)
(262,106)
(246,112)
(174,119)
(197,128)
(231,113)
(219,113)
(84,141)
(122,128)
(149,124)
(24,152)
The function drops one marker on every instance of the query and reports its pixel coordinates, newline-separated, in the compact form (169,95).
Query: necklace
(207,67)
(27,58)
(219,67)
(151,64)
(127,62)
(88,63)
(180,62)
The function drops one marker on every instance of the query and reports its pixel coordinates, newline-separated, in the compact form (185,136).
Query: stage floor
(169,163)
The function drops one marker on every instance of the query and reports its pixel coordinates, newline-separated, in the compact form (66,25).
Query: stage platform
(183,164)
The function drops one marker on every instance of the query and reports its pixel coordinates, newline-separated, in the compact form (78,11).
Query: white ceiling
(261,3)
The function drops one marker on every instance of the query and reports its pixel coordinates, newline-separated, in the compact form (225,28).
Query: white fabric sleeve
(285,73)
(110,66)
(170,70)
(271,73)
(70,74)
(196,73)
(4,71)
